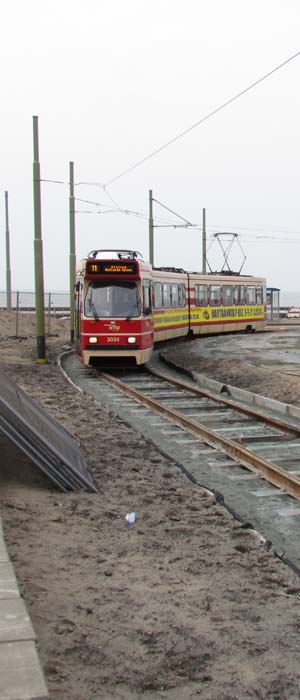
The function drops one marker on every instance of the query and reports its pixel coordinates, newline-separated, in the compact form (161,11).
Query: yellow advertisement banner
(170,317)
(180,317)
(227,313)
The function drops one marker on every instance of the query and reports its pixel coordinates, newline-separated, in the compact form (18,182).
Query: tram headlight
(132,339)
(92,339)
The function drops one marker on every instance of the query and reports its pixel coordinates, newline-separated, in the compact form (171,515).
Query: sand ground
(186,603)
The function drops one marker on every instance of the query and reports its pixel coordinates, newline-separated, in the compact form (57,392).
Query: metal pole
(151,229)
(38,250)
(272,305)
(49,313)
(203,242)
(8,271)
(17,314)
(72,250)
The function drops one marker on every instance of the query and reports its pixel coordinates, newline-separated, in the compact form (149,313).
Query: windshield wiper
(92,306)
(132,314)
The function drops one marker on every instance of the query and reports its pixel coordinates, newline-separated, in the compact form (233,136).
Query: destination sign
(100,267)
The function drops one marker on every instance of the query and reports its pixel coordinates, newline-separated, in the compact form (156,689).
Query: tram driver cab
(116,303)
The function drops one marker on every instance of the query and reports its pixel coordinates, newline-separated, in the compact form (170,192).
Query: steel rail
(267,470)
(256,413)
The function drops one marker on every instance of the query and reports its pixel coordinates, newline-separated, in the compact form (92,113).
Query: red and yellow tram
(123,306)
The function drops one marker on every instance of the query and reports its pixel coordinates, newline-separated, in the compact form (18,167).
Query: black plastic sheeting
(42,438)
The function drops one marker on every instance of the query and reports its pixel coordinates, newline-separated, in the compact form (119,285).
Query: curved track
(214,418)
(248,458)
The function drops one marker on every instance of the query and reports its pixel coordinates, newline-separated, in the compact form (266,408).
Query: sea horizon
(289,298)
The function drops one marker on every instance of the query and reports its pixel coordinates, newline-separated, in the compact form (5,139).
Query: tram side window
(201,295)
(227,294)
(259,295)
(238,294)
(250,294)
(146,294)
(174,295)
(215,295)
(158,295)
(166,295)
(181,295)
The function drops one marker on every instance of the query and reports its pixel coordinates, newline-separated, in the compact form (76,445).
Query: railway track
(248,457)
(245,435)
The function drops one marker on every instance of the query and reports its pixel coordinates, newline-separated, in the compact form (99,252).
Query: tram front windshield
(115,300)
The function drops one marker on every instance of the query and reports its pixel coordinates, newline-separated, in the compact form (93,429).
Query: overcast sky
(113,81)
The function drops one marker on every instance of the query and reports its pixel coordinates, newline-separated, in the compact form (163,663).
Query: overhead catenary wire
(171,224)
(55,182)
(130,212)
(255,228)
(188,223)
(247,231)
(90,211)
(88,201)
(204,119)
(104,186)
(111,198)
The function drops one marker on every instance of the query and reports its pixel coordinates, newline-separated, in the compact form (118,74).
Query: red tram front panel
(115,321)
